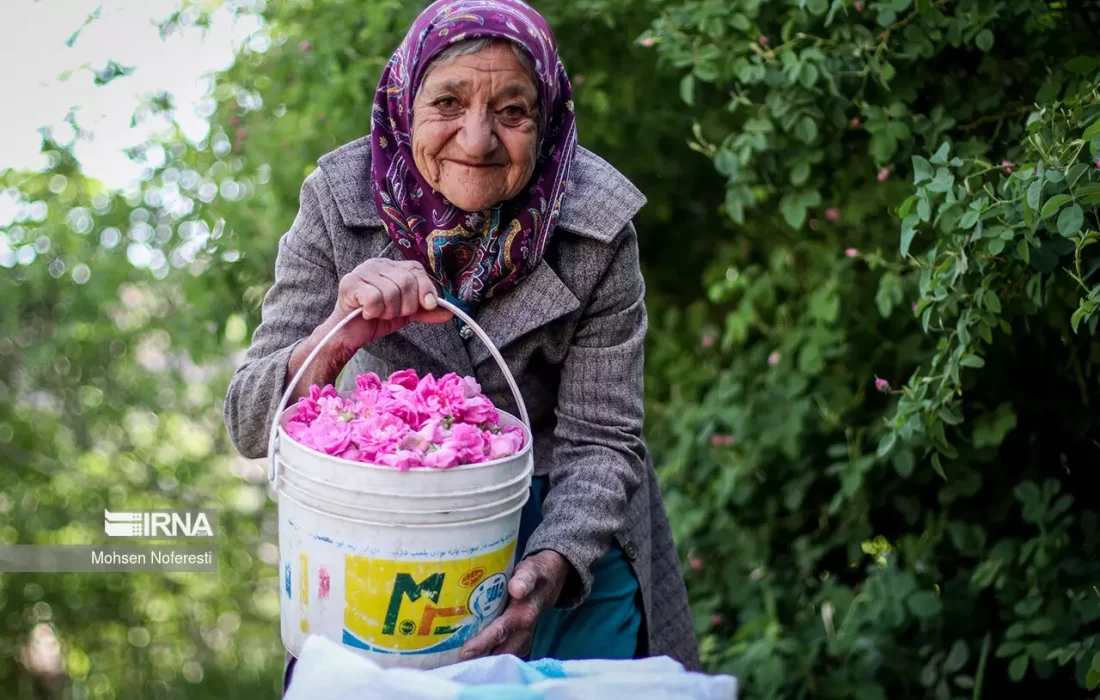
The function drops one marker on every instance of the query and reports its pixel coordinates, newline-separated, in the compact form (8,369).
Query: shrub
(846,538)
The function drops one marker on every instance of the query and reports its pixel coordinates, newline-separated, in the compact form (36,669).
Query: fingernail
(429,301)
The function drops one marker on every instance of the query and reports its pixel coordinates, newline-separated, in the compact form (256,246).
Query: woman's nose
(476,137)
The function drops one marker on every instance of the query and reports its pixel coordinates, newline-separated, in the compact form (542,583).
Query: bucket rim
(528,446)
(528,472)
(408,526)
(304,491)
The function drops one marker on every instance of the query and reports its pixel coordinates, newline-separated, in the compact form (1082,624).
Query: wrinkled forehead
(520,83)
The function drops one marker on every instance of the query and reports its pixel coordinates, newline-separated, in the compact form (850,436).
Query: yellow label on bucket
(421,607)
(303,604)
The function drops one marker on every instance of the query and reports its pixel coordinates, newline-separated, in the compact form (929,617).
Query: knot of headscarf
(472,255)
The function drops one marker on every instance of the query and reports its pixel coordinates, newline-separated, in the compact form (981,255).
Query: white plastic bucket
(412,501)
(403,595)
(347,508)
(400,566)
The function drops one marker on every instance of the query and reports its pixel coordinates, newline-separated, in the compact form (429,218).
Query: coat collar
(599,205)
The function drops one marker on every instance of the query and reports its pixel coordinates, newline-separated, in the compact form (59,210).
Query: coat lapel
(537,300)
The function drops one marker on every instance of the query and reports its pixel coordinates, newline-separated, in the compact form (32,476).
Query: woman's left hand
(534,588)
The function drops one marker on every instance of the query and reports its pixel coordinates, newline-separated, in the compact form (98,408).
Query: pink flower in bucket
(405,421)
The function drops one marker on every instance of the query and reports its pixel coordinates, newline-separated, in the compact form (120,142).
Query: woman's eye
(446,103)
(514,112)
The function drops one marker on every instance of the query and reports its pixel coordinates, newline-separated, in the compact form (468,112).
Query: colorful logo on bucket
(403,607)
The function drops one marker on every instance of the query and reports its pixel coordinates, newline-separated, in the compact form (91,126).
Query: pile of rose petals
(405,421)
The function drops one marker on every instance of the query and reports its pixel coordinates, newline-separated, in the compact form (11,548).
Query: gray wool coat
(572,335)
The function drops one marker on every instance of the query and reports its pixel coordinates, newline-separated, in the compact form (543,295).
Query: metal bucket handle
(273,463)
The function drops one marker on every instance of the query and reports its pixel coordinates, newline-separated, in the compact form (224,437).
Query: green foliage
(102,409)
(930,540)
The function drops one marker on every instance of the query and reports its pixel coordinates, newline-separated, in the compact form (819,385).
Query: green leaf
(806,130)
(972,361)
(908,231)
(800,173)
(740,22)
(1042,626)
(950,416)
(817,7)
(1092,679)
(924,209)
(725,162)
(886,444)
(1053,204)
(1028,606)
(889,294)
(1034,194)
(1092,131)
(883,147)
(1082,64)
(1023,249)
(904,463)
(1018,668)
(969,219)
(925,604)
(943,180)
(1009,649)
(900,131)
(1070,220)
(793,210)
(922,170)
(1075,171)
(984,40)
(991,302)
(957,657)
(687,89)
(940,156)
(907,206)
(937,465)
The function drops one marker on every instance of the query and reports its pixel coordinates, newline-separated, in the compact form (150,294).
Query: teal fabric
(606,624)
(470,309)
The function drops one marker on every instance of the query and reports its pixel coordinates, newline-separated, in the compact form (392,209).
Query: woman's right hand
(391,294)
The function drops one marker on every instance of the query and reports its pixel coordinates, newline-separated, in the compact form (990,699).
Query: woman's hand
(534,588)
(390,293)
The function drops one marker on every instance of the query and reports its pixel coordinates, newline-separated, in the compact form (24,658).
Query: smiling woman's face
(475,128)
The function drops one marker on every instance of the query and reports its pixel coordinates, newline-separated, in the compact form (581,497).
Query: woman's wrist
(328,363)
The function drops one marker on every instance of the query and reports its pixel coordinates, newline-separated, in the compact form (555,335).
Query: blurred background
(872,366)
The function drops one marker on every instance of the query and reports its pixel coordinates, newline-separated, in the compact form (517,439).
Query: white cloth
(330,671)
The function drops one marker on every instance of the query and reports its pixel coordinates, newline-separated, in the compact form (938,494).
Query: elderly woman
(471,185)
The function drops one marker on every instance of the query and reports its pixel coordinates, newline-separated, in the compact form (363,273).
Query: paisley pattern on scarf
(473,255)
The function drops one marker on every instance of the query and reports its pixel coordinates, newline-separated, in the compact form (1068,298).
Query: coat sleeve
(302,297)
(598,452)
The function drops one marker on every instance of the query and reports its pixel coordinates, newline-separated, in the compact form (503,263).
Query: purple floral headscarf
(472,255)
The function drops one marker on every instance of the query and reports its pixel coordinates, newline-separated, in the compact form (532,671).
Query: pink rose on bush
(405,421)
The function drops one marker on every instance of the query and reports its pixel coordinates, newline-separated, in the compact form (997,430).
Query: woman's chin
(474,203)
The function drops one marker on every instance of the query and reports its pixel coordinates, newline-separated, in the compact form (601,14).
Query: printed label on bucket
(410,607)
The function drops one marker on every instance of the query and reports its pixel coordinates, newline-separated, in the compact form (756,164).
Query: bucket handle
(273,463)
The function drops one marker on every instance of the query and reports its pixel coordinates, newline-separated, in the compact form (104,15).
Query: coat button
(466,332)
(631,550)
